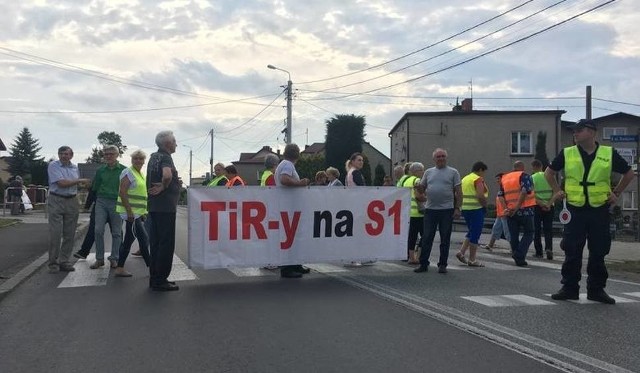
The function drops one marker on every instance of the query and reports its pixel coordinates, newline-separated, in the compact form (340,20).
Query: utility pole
(190,166)
(211,157)
(588,104)
(289,89)
(638,184)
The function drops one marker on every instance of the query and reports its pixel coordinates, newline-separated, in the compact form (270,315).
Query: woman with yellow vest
(234,178)
(416,216)
(474,205)
(270,163)
(587,181)
(543,218)
(219,179)
(132,207)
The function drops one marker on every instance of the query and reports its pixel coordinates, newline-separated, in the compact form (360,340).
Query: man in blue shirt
(63,209)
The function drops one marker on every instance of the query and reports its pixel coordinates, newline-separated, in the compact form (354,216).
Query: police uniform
(587,188)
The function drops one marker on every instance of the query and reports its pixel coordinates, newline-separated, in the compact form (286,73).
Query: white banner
(257,226)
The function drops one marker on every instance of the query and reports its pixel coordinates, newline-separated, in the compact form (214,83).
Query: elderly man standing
(287,176)
(106,186)
(587,176)
(63,209)
(164,190)
(442,185)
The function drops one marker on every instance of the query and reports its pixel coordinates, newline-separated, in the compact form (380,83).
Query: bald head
(518,166)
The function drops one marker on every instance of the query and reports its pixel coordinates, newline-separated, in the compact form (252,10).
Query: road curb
(26,272)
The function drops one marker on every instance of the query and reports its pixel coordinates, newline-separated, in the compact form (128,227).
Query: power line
(451,49)
(255,116)
(421,49)
(616,102)
(104,76)
(411,80)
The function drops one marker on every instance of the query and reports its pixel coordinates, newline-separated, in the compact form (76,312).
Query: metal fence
(37,196)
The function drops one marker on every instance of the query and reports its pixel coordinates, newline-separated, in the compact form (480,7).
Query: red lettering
(255,221)
(213,208)
(233,225)
(395,212)
(290,228)
(375,228)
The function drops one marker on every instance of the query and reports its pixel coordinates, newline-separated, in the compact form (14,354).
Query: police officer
(587,175)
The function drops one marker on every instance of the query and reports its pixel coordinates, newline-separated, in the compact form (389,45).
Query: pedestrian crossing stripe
(634,294)
(508,300)
(327,268)
(251,272)
(583,299)
(85,276)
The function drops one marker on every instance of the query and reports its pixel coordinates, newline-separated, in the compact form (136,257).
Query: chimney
(467,104)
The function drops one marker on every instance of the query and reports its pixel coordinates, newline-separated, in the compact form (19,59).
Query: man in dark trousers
(164,190)
(587,182)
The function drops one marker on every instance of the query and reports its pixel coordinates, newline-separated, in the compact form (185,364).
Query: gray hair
(270,161)
(438,150)
(139,153)
(162,136)
(416,166)
(333,172)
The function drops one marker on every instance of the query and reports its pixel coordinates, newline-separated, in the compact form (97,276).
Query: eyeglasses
(106,154)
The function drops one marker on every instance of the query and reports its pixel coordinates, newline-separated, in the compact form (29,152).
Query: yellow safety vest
(401,181)
(597,184)
(137,196)
(216,180)
(264,177)
(469,199)
(541,187)
(410,182)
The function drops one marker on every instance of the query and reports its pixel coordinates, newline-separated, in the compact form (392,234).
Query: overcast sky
(71,69)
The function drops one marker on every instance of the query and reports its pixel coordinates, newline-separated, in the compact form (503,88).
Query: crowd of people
(439,195)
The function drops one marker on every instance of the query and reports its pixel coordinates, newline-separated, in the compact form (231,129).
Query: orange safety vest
(499,208)
(231,182)
(511,187)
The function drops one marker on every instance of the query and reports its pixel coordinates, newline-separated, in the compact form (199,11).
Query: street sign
(624,138)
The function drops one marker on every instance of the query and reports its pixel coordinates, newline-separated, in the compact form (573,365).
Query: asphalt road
(382,318)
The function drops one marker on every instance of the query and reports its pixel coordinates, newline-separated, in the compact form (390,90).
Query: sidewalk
(24,247)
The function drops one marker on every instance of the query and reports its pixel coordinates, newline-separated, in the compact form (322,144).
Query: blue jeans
(441,220)
(106,210)
(135,230)
(520,246)
(500,227)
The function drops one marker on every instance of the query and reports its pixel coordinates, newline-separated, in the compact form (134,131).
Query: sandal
(475,264)
(461,258)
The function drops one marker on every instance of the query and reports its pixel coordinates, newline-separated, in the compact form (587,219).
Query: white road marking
(85,276)
(391,267)
(508,300)
(180,271)
(251,272)
(634,294)
(504,267)
(583,299)
(327,268)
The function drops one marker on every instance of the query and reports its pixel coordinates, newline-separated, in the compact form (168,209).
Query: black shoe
(442,269)
(78,255)
(521,263)
(565,294)
(549,255)
(422,268)
(302,269)
(538,255)
(67,268)
(165,287)
(600,296)
(290,274)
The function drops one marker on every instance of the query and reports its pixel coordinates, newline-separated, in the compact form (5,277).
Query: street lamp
(289,95)
(190,162)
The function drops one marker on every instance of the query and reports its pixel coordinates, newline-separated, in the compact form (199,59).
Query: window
(608,131)
(629,200)
(521,143)
(629,154)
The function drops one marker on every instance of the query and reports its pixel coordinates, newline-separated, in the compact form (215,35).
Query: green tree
(366,170)
(24,155)
(106,138)
(379,175)
(307,166)
(541,149)
(345,134)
